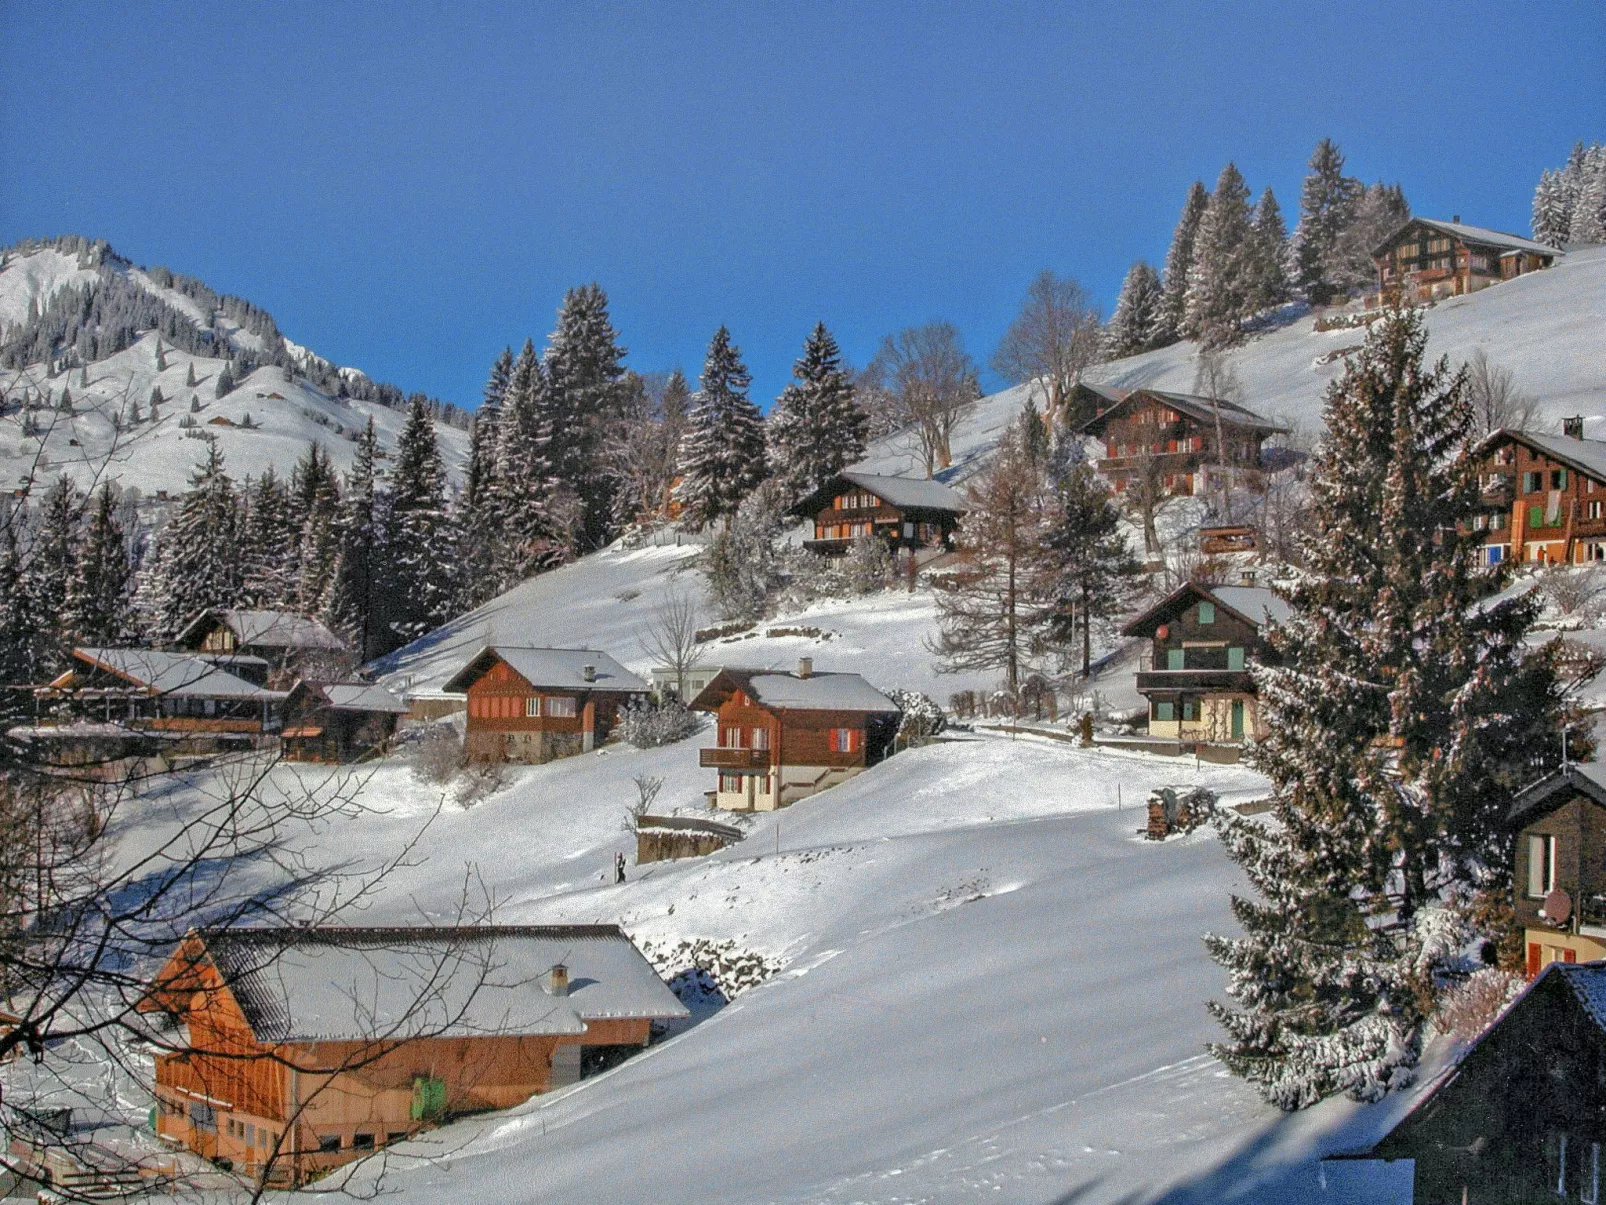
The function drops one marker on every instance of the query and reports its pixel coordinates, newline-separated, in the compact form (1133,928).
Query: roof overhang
(1145,624)
(1551,791)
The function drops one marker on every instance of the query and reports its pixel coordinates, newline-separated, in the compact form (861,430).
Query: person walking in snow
(618,868)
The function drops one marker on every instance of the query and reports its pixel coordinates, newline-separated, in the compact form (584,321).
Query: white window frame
(1541,865)
(532,706)
(561,707)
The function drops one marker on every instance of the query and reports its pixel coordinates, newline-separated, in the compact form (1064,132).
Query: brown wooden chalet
(1559,882)
(783,737)
(268,647)
(533,705)
(306,1048)
(1203,640)
(338,721)
(1519,1117)
(906,512)
(1172,438)
(1426,259)
(1543,497)
(146,690)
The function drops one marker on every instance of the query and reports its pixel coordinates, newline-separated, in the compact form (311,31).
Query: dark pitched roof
(906,493)
(1255,605)
(353,696)
(1480,236)
(1202,409)
(1555,788)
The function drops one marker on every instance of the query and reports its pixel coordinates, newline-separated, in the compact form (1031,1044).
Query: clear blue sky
(409,186)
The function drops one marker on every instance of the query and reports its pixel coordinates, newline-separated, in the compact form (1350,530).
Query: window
(1165,711)
(1592,510)
(1175,658)
(1235,658)
(362,1142)
(1207,612)
(328,1142)
(560,705)
(1531,482)
(1190,709)
(1497,522)
(730,783)
(730,737)
(1541,865)
(532,705)
(761,738)
(1496,553)
(842,740)
(1558,479)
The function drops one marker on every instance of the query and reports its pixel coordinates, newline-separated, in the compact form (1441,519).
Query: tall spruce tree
(353,603)
(1135,324)
(1327,201)
(1268,256)
(313,501)
(1178,260)
(198,558)
(1588,219)
(537,517)
(421,540)
(52,557)
(722,451)
(1094,573)
(817,427)
(270,545)
(1220,277)
(584,368)
(1399,717)
(98,611)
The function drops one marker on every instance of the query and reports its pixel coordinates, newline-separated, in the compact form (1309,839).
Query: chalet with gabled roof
(1559,874)
(534,705)
(1172,438)
(1542,496)
(785,736)
(1204,639)
(276,646)
(338,722)
(905,512)
(306,1048)
(1426,259)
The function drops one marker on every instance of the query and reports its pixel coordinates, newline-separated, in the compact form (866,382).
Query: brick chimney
(558,980)
(588,672)
(805,667)
(1573,428)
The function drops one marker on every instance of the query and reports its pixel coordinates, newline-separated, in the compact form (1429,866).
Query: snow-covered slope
(1548,328)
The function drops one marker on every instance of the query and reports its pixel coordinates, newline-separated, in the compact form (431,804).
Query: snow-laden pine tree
(98,612)
(722,451)
(198,561)
(314,499)
(1093,572)
(536,515)
(481,517)
(1588,219)
(1403,711)
(20,625)
(52,557)
(817,427)
(1174,299)
(270,545)
(584,367)
(353,602)
(1552,211)
(1327,201)
(1135,323)
(1219,278)
(421,540)
(1267,260)
(1380,210)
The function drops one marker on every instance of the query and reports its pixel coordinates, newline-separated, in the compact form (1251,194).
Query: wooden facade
(528,706)
(1543,497)
(1202,642)
(1178,442)
(905,513)
(273,648)
(338,722)
(1426,259)
(1520,1116)
(772,753)
(1559,880)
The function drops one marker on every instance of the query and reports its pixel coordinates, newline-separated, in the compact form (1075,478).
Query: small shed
(338,722)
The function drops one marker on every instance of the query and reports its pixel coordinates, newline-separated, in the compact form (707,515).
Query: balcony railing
(1237,680)
(733,759)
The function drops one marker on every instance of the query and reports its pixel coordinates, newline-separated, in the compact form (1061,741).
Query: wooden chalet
(906,512)
(338,721)
(306,1048)
(1426,259)
(1203,640)
(783,737)
(1559,882)
(269,647)
(177,694)
(1172,438)
(1519,1117)
(534,705)
(1543,496)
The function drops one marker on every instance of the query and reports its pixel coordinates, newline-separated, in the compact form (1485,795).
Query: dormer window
(1207,612)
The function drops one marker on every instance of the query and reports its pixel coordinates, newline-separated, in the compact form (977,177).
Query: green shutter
(1536,516)
(1235,658)
(1175,658)
(1165,711)
(1207,612)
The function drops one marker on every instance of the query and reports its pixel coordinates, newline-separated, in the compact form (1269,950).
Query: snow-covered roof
(333,984)
(1588,456)
(1253,602)
(359,696)
(181,675)
(1195,406)
(1587,778)
(920,492)
(1480,235)
(267,629)
(552,669)
(1588,982)
(820,691)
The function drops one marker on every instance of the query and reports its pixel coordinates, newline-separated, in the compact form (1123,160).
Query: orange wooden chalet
(1543,496)
(534,705)
(1424,258)
(291,1051)
(903,512)
(783,737)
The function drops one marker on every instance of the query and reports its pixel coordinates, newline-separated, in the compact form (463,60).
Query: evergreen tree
(51,559)
(20,625)
(817,427)
(1178,260)
(1380,210)
(189,375)
(1588,219)
(584,369)
(1327,203)
(225,382)
(1093,570)
(537,516)
(1551,215)
(65,405)
(98,607)
(198,559)
(353,604)
(483,435)
(1399,720)
(722,452)
(314,500)
(1135,325)
(1268,258)
(1218,281)
(421,540)
(270,549)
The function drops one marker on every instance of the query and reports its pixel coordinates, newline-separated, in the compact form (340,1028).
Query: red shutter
(1569,955)
(1533,959)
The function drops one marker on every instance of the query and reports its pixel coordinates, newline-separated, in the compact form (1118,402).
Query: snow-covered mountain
(78,392)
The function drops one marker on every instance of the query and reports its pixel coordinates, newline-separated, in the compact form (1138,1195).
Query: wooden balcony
(1196,681)
(733,759)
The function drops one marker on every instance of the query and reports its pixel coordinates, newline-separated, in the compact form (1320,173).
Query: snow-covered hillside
(1548,328)
(109,432)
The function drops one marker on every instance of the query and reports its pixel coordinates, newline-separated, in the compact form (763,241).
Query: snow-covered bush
(1575,593)
(647,725)
(744,564)
(436,754)
(920,717)
(1471,1007)
(867,566)
(699,970)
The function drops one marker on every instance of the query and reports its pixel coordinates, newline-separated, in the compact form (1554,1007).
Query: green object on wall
(429,1098)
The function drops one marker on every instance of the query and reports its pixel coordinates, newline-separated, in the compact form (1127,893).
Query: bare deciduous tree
(1496,401)
(1052,341)
(670,637)
(1215,377)
(933,383)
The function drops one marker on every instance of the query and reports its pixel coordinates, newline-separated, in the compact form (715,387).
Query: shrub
(436,754)
(920,716)
(1469,1008)
(647,725)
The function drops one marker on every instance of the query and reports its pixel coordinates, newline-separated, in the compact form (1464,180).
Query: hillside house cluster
(1426,260)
